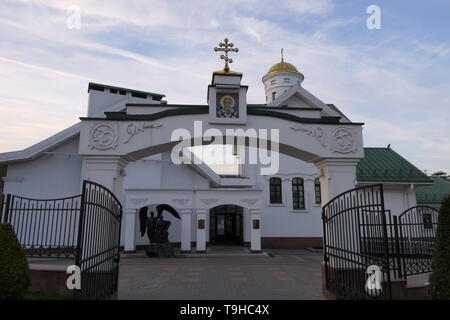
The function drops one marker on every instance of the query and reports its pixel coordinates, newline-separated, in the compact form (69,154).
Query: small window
(298,193)
(287,80)
(273,95)
(317,191)
(275,190)
(427,221)
(122,92)
(113,90)
(139,95)
(273,82)
(95,87)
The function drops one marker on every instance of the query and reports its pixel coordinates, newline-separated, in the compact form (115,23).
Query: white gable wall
(55,174)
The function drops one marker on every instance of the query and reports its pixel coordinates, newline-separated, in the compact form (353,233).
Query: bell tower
(280,77)
(227,98)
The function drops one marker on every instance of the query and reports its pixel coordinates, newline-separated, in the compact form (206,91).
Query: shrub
(440,278)
(14,272)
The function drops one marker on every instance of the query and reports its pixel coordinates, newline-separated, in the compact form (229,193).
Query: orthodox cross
(282,56)
(226,47)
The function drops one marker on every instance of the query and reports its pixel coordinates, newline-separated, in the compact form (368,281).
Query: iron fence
(44,227)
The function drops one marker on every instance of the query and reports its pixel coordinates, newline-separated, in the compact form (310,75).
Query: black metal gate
(85,228)
(98,242)
(356,253)
(416,237)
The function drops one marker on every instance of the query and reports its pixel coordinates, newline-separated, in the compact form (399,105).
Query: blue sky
(395,79)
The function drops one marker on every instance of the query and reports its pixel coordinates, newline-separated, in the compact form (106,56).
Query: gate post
(336,176)
(397,248)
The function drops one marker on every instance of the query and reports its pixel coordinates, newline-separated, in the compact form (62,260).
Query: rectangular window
(273,95)
(317,191)
(298,194)
(427,221)
(275,190)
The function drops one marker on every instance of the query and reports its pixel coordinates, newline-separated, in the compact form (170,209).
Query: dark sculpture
(157,231)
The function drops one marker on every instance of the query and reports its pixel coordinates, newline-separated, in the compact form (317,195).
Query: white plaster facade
(134,161)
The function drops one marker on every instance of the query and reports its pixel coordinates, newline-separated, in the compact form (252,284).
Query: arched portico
(107,145)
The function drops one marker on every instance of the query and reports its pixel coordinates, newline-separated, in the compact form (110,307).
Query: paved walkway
(284,275)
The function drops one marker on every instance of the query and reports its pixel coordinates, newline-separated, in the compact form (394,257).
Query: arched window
(275,190)
(317,191)
(298,194)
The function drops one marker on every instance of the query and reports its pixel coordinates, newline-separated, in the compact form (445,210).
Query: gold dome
(282,67)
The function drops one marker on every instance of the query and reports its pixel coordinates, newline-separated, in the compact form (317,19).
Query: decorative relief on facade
(343,140)
(315,132)
(209,201)
(135,128)
(103,136)
(180,201)
(139,200)
(249,201)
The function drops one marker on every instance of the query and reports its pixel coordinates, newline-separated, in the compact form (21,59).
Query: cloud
(397,85)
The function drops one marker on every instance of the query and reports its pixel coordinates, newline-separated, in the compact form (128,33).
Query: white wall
(398,198)
(55,174)
(281,220)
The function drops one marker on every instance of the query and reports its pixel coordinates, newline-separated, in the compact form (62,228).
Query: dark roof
(196,109)
(435,193)
(97,86)
(386,165)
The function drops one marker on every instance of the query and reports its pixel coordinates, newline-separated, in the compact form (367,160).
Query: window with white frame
(298,194)
(317,191)
(275,190)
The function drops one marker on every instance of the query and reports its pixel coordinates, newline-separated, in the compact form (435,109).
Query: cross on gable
(226,47)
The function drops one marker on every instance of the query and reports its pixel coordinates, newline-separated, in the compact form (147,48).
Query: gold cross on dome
(226,47)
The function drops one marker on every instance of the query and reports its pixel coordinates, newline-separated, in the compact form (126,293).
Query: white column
(255,230)
(201,232)
(108,171)
(130,230)
(336,176)
(186,222)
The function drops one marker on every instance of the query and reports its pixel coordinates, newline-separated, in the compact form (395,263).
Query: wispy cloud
(393,81)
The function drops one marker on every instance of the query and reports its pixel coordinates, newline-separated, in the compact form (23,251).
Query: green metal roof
(386,165)
(435,193)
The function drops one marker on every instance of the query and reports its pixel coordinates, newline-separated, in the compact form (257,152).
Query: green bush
(440,278)
(14,272)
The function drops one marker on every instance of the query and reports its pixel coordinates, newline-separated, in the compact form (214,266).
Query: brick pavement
(290,274)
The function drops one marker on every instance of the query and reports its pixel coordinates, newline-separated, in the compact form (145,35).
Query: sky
(394,79)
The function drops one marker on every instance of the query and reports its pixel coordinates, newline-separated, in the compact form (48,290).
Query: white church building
(129,141)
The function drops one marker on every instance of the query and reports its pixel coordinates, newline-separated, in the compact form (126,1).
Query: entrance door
(226,225)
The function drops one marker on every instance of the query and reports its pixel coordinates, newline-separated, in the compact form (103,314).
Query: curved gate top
(417,228)
(98,242)
(356,257)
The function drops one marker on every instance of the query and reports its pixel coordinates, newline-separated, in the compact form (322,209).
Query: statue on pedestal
(157,230)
